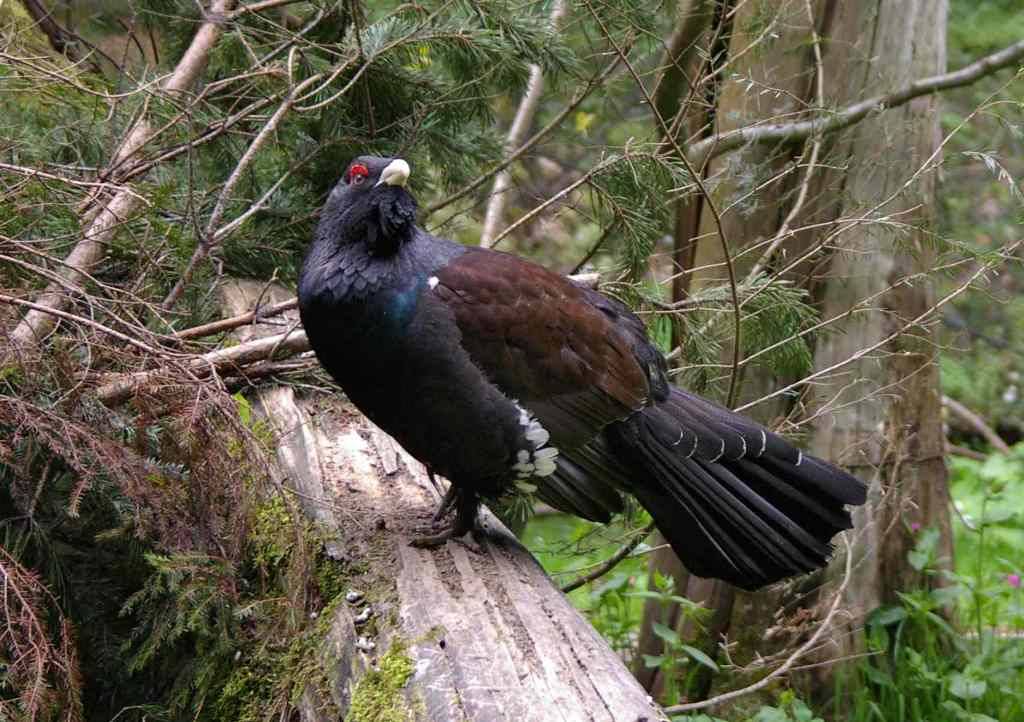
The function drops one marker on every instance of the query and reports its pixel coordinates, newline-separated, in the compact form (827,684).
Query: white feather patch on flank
(764,442)
(433,281)
(539,459)
(799,457)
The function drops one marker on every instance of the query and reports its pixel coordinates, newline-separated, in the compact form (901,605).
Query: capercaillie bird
(494,371)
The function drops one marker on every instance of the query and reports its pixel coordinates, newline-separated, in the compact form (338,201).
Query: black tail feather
(735,501)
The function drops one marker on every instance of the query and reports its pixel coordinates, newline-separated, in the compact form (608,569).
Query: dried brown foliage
(42,679)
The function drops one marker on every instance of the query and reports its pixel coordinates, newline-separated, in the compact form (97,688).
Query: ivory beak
(395,174)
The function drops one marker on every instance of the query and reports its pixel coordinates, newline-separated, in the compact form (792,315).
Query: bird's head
(370,205)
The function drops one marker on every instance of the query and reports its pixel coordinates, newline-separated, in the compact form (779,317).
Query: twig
(227,324)
(624,551)
(977,423)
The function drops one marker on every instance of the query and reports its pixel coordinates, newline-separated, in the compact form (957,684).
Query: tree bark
(886,424)
(880,416)
(487,634)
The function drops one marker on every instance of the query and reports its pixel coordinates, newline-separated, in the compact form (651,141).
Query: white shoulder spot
(433,281)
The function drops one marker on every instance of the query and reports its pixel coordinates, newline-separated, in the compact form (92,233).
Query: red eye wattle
(359,171)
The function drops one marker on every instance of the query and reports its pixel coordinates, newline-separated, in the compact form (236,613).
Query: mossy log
(464,632)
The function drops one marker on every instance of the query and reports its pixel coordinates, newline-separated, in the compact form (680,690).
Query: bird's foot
(465,521)
(429,541)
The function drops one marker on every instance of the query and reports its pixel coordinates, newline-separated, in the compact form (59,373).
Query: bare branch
(621,553)
(520,125)
(977,423)
(830,122)
(227,324)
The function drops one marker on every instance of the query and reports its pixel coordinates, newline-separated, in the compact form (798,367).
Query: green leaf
(890,614)
(244,409)
(877,676)
(654,660)
(771,714)
(667,634)
(700,657)
(966,687)
(998,514)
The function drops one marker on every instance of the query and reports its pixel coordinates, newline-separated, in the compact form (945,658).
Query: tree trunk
(880,415)
(481,633)
(885,425)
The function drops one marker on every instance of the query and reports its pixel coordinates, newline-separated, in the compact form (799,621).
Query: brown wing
(576,359)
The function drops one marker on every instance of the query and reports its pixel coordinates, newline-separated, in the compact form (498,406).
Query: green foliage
(378,695)
(924,668)
(632,190)
(773,314)
(989,537)
(679,661)
(568,547)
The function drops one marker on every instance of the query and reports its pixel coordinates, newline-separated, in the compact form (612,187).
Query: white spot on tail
(764,442)
(720,453)
(433,281)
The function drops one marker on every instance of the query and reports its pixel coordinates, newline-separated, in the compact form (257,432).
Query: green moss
(332,577)
(271,537)
(378,695)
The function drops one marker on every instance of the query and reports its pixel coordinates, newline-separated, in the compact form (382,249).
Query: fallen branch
(234,360)
(225,360)
(228,324)
(977,423)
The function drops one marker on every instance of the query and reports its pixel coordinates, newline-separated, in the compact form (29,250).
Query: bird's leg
(466,504)
(446,502)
